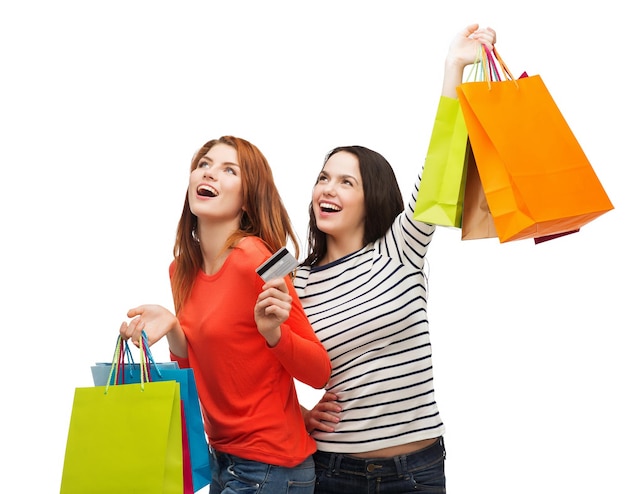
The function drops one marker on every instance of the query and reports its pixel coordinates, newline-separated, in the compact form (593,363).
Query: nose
(207,174)
(328,188)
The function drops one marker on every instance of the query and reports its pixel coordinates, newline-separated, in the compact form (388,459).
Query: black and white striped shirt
(369,311)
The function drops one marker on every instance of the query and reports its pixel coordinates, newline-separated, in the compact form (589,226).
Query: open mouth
(327,207)
(207,191)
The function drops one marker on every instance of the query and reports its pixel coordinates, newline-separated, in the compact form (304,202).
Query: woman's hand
(155,320)
(321,415)
(272,309)
(465,44)
(462,52)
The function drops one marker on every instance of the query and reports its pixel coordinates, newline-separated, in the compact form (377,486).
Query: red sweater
(246,388)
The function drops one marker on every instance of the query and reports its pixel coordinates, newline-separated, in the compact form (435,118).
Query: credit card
(278,266)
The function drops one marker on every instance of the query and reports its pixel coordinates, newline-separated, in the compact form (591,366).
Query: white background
(103,105)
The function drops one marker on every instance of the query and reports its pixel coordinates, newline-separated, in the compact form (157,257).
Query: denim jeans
(231,474)
(422,471)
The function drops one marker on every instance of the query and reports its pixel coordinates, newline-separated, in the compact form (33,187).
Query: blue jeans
(422,471)
(231,474)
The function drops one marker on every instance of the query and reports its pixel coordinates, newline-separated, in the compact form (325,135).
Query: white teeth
(207,191)
(327,205)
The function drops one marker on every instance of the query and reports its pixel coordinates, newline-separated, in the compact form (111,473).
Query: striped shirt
(369,311)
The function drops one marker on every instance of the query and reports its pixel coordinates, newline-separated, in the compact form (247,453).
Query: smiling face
(339,202)
(215,187)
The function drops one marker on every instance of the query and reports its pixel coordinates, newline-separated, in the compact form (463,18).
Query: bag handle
(505,69)
(127,354)
(484,67)
(477,72)
(148,352)
(494,74)
(115,362)
(122,349)
(143,360)
(493,59)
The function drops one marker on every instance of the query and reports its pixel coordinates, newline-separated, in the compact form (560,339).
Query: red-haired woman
(245,339)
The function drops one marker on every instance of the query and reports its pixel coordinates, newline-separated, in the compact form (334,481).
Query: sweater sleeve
(408,239)
(299,350)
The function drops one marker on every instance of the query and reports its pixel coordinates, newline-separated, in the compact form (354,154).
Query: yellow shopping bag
(125,439)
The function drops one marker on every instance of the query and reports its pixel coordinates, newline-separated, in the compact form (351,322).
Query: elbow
(324,378)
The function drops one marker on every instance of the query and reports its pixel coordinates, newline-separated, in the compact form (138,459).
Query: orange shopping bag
(535,175)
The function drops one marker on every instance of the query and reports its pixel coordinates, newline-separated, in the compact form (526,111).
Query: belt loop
(401,465)
(334,462)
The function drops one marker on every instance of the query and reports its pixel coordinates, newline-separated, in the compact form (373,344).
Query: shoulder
(254,247)
(243,262)
(250,253)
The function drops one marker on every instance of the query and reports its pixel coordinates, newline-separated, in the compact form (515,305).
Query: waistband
(395,465)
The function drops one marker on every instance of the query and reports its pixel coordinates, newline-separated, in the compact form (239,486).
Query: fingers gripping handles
(123,359)
(489,66)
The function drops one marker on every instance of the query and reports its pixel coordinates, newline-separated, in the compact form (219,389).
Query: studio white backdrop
(103,105)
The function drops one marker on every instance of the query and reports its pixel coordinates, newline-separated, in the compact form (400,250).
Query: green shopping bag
(442,188)
(440,197)
(129,372)
(125,438)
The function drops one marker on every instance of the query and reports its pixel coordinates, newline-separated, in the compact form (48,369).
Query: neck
(337,249)
(213,239)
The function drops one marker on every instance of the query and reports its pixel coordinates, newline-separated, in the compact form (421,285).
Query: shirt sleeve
(183,363)
(408,239)
(299,350)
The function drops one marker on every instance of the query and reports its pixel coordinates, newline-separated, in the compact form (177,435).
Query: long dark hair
(383,200)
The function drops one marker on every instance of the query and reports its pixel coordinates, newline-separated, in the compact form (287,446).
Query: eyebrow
(205,158)
(345,175)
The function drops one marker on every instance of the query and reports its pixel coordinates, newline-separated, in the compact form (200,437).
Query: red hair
(264,216)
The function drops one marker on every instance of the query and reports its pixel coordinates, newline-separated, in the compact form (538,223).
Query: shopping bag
(128,372)
(187,473)
(440,197)
(123,369)
(477,219)
(125,439)
(442,187)
(197,440)
(536,177)
(101,371)
(545,238)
